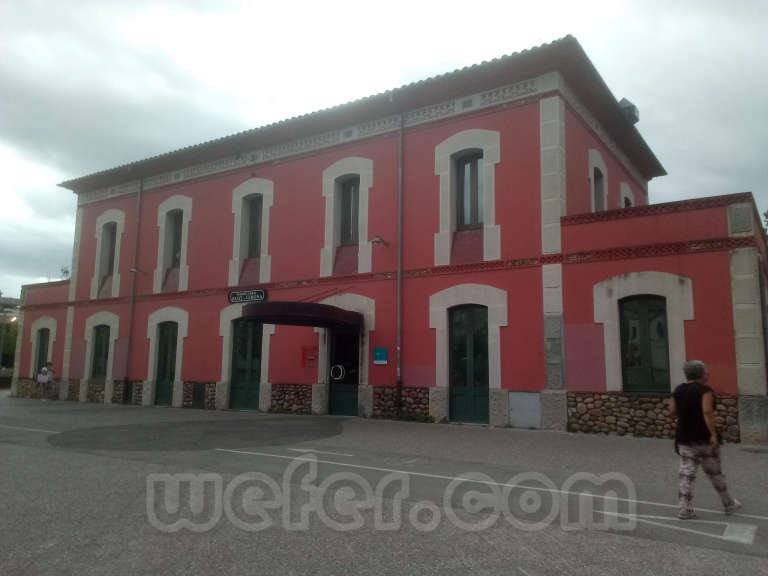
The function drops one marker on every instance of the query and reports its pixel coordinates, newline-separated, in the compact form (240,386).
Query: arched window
(346,186)
(466,165)
(251,204)
(105,282)
(172,268)
(598,181)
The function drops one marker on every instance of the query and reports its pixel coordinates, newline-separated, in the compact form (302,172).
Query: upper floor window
(469,191)
(349,190)
(644,344)
(172,269)
(598,181)
(173,239)
(466,165)
(107,260)
(251,204)
(346,187)
(627,196)
(106,270)
(598,190)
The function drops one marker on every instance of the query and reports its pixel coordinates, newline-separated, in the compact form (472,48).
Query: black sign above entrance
(243,296)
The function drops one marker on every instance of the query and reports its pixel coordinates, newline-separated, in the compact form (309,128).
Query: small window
(644,344)
(173,238)
(627,202)
(469,191)
(43,339)
(598,189)
(350,197)
(108,240)
(100,351)
(252,207)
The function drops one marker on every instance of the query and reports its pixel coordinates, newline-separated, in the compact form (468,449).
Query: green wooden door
(166,362)
(344,373)
(468,341)
(644,344)
(246,365)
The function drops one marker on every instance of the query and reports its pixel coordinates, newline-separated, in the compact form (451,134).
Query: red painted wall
(517,185)
(709,337)
(60,315)
(578,140)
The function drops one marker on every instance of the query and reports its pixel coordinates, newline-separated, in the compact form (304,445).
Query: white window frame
(489,142)
(48,322)
(595,160)
(678,291)
(363,169)
(626,192)
(106,217)
(495,299)
(97,319)
(251,187)
(177,202)
(181,318)
(226,318)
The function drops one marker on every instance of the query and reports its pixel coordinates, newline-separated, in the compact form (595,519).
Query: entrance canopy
(303,314)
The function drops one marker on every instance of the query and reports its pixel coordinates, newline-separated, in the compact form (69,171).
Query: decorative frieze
(449,108)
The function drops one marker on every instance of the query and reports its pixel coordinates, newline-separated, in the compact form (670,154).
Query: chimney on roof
(629,110)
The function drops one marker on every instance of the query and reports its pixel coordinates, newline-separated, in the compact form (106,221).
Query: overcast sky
(89,85)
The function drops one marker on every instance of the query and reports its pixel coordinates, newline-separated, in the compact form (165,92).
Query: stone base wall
(117,392)
(73,390)
(414,403)
(28,388)
(122,396)
(95,392)
(640,415)
(295,398)
(199,395)
(138,393)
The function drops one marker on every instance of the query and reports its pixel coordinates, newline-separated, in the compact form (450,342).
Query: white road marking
(30,429)
(739,533)
(500,484)
(313,451)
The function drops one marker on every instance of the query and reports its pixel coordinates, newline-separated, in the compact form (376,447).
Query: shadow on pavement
(199,435)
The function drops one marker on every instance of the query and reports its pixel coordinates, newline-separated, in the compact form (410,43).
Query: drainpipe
(399,261)
(134,270)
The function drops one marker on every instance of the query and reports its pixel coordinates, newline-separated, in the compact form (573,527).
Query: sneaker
(733,506)
(686,514)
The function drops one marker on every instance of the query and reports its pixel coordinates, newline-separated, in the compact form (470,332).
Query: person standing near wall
(696,438)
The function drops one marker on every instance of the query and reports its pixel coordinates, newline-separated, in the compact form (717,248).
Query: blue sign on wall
(380,356)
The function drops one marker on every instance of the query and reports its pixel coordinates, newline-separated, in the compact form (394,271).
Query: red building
(474,247)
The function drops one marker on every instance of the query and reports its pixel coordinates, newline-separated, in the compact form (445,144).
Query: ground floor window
(468,363)
(644,344)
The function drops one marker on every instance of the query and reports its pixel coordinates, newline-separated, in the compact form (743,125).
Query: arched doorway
(468,363)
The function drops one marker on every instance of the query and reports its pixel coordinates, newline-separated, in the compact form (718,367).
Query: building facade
(477,247)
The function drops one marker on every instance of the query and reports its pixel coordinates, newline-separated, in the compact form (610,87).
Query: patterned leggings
(691,455)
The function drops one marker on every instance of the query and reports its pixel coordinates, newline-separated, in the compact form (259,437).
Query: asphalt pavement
(103,489)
